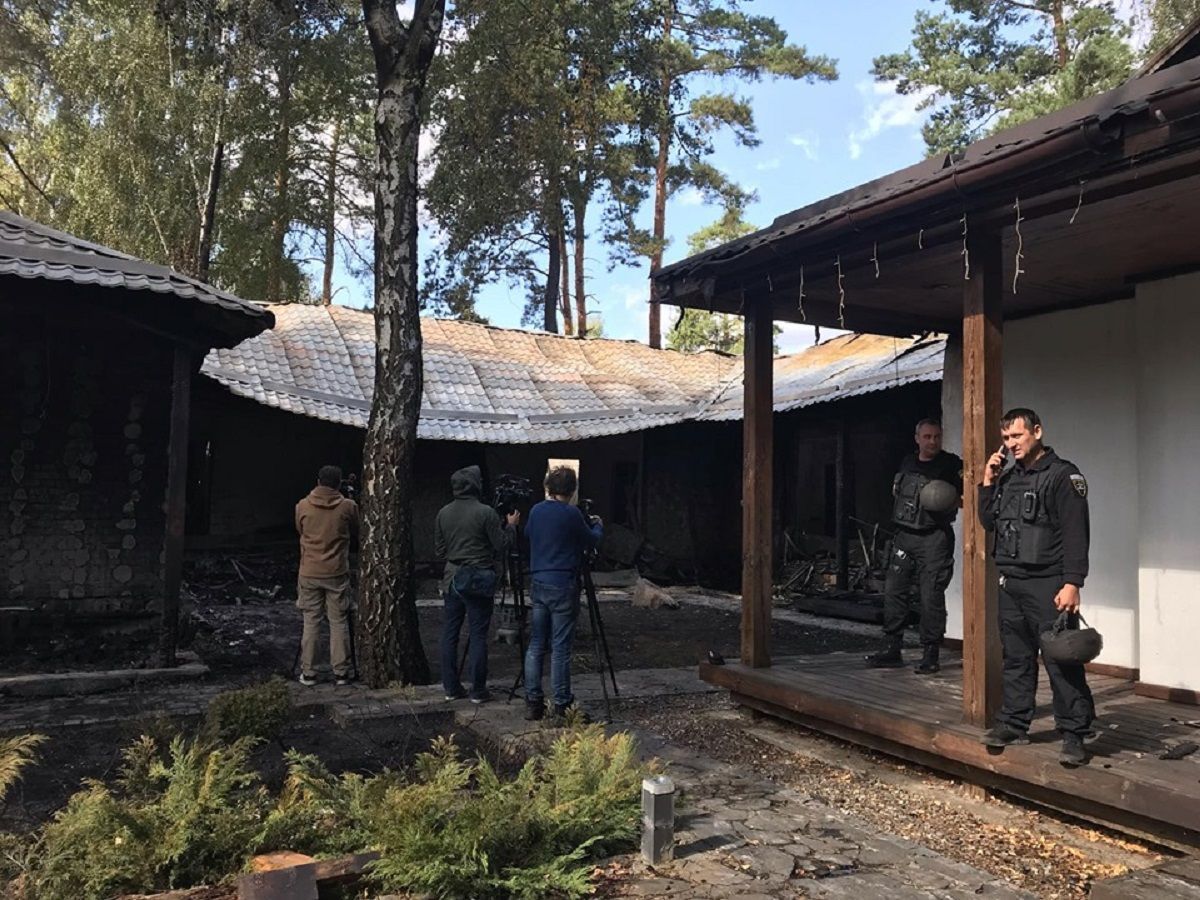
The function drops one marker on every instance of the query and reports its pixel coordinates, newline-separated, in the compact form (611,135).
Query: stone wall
(84,413)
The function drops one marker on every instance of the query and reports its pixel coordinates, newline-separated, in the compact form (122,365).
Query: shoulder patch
(1080,484)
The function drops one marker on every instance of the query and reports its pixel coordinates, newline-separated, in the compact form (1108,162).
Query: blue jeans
(477,610)
(555,608)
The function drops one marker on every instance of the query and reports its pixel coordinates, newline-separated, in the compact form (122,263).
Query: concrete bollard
(658,819)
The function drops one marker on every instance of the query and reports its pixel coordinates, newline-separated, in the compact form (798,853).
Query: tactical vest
(906,508)
(1025,535)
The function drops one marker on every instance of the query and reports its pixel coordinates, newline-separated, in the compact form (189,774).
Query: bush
(260,711)
(459,830)
(196,812)
(184,817)
(15,754)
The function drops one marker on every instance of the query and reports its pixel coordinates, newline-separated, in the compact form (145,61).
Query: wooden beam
(982,397)
(842,511)
(177,452)
(757,459)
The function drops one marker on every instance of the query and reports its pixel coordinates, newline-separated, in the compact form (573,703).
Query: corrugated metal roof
(843,367)
(502,386)
(482,384)
(29,249)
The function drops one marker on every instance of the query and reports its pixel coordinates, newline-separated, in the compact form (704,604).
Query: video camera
(349,487)
(511,492)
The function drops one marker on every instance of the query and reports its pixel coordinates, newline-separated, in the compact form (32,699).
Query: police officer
(927,492)
(1038,510)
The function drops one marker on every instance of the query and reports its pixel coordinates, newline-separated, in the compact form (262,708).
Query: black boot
(889,657)
(929,662)
(534,711)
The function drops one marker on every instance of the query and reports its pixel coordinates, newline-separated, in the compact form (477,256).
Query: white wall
(1168,384)
(1078,369)
(952,440)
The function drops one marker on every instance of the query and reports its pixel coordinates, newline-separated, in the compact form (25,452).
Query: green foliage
(982,65)
(196,812)
(16,753)
(1168,19)
(459,830)
(110,111)
(260,711)
(186,816)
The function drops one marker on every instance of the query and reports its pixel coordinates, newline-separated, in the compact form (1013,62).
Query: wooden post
(983,374)
(757,459)
(177,453)
(842,509)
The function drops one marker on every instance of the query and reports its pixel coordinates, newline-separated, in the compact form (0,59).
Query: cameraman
(559,537)
(467,534)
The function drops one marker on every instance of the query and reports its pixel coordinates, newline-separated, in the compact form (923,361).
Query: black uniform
(923,549)
(1040,518)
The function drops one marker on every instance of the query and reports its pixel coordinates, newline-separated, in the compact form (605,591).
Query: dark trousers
(1026,610)
(926,558)
(477,610)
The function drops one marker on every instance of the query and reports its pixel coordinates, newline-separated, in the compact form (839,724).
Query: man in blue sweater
(559,536)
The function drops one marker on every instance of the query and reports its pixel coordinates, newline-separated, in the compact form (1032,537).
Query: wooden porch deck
(920,719)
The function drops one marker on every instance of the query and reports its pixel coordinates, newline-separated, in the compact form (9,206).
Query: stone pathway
(740,836)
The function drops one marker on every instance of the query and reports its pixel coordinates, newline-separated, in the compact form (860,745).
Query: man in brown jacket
(325,521)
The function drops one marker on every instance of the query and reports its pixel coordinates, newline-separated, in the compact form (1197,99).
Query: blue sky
(817,140)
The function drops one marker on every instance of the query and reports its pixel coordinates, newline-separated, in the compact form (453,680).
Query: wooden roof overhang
(1107,193)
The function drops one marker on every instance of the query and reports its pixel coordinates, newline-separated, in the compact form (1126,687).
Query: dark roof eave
(1082,130)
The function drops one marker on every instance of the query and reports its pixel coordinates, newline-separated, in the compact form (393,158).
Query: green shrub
(184,817)
(196,812)
(459,830)
(260,711)
(15,754)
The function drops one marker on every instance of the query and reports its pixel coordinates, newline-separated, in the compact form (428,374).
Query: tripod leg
(596,648)
(353,651)
(598,625)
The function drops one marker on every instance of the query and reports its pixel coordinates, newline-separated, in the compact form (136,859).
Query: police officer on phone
(1038,511)
(927,492)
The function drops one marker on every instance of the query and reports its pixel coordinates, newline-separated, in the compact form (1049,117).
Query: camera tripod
(603,657)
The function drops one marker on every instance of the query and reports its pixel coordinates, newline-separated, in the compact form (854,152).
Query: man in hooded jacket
(325,521)
(468,535)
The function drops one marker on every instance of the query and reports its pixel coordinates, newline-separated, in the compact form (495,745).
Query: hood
(467,482)
(325,497)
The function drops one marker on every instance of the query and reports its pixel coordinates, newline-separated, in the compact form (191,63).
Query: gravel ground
(1049,855)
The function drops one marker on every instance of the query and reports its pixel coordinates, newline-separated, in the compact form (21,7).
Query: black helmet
(939,497)
(1074,646)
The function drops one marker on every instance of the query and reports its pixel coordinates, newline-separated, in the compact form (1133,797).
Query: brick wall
(84,407)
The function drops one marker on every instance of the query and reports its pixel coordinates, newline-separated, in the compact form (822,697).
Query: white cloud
(773,163)
(691,196)
(884,109)
(807,142)
(634,297)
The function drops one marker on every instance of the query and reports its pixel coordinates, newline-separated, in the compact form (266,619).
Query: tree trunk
(389,642)
(1060,34)
(580,295)
(567,319)
(553,273)
(660,190)
(208,221)
(279,219)
(331,214)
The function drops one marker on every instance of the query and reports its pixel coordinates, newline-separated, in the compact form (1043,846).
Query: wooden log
(177,454)
(982,398)
(757,460)
(842,489)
